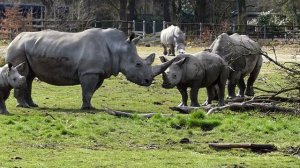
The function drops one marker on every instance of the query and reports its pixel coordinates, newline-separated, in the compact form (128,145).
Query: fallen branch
(129,115)
(254,147)
(280,65)
(263,107)
(187,109)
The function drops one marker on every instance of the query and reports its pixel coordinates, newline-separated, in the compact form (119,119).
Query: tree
(242,20)
(200,11)
(166,7)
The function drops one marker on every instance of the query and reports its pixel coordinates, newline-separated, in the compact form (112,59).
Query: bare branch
(278,64)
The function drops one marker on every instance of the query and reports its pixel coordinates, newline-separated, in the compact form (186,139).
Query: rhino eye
(138,64)
(14,79)
(174,76)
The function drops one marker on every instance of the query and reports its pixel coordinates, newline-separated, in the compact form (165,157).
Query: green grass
(58,134)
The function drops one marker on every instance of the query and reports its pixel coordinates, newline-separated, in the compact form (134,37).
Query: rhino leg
(252,77)
(184,95)
(89,84)
(172,50)
(28,91)
(221,93)
(242,87)
(220,87)
(165,49)
(194,96)
(232,80)
(19,94)
(3,109)
(210,95)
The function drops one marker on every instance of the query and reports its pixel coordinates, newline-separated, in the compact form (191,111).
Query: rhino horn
(158,69)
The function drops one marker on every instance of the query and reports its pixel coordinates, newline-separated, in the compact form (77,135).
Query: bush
(193,120)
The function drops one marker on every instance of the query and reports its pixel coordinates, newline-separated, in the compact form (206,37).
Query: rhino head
(14,79)
(174,73)
(136,69)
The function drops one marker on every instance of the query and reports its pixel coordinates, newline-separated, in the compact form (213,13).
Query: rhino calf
(9,78)
(173,37)
(199,70)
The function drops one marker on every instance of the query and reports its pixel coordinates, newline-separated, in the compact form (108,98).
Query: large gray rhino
(172,36)
(85,58)
(243,56)
(199,70)
(9,78)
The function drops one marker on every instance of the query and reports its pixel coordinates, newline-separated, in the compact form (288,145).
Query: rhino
(173,37)
(9,78)
(243,56)
(85,58)
(203,69)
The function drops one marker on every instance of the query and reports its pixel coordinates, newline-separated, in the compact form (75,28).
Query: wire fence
(194,31)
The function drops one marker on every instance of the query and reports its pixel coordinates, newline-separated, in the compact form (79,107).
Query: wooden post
(164,24)
(265,32)
(144,28)
(153,27)
(133,25)
(200,29)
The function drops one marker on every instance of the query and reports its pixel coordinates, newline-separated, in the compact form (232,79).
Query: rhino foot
(181,105)
(4,112)
(88,108)
(195,105)
(33,104)
(24,105)
(249,93)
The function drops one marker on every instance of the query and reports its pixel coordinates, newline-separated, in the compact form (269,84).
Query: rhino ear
(181,61)
(163,59)
(136,40)
(150,59)
(9,66)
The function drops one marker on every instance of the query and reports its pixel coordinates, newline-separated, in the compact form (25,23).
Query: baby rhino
(199,70)
(9,78)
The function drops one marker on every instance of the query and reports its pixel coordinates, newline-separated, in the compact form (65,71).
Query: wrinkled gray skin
(173,37)
(243,56)
(199,70)
(85,58)
(9,78)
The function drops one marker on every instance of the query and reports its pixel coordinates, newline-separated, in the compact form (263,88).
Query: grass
(58,134)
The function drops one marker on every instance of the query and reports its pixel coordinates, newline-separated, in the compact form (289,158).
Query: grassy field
(58,134)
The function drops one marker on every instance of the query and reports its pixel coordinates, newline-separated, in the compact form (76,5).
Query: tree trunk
(242,20)
(131,9)
(166,5)
(122,14)
(200,11)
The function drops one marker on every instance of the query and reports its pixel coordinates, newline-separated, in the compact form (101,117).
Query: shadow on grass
(91,111)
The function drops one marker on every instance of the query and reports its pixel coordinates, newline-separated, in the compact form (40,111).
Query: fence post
(265,32)
(164,24)
(233,28)
(153,27)
(200,36)
(133,25)
(144,28)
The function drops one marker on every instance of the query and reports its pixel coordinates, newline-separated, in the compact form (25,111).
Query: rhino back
(167,35)
(239,51)
(59,58)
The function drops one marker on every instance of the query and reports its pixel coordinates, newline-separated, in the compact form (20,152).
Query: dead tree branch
(253,147)
(130,115)
(263,107)
(280,65)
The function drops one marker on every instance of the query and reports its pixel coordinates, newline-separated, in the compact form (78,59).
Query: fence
(194,31)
